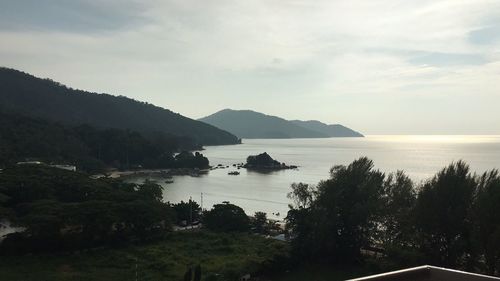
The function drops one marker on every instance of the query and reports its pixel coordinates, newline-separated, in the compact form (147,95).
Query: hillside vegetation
(78,228)
(90,149)
(24,94)
(222,256)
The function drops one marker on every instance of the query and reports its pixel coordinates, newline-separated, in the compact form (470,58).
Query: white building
(65,167)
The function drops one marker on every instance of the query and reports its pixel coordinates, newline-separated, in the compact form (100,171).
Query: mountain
(334,131)
(254,125)
(22,93)
(250,124)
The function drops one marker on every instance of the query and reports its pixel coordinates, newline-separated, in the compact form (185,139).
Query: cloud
(447,59)
(69,16)
(487,35)
(348,60)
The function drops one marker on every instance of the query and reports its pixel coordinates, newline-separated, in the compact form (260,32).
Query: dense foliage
(67,210)
(24,94)
(88,148)
(259,223)
(187,159)
(227,218)
(346,208)
(451,220)
(187,212)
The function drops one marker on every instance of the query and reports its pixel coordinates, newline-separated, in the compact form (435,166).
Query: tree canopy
(187,211)
(449,220)
(69,210)
(226,218)
(90,149)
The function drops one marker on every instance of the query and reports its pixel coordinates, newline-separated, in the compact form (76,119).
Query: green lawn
(225,254)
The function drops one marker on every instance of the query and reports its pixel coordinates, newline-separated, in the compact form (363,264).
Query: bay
(419,156)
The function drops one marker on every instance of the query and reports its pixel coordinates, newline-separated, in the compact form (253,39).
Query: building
(59,166)
(65,167)
(30,163)
(427,273)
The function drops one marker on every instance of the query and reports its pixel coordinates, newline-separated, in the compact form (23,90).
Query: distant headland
(254,125)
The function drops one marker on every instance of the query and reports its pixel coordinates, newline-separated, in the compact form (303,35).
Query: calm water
(419,156)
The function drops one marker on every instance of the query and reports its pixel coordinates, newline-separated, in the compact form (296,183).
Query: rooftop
(428,273)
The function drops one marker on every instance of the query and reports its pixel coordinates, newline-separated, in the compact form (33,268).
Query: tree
(227,218)
(150,191)
(187,211)
(299,219)
(259,222)
(341,215)
(397,227)
(486,220)
(442,215)
(400,199)
(302,195)
(352,204)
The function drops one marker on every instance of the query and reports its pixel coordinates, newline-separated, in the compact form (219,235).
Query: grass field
(228,255)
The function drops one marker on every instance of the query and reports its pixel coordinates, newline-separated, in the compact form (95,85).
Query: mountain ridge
(332,130)
(252,124)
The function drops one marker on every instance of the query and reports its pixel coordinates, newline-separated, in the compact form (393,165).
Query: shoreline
(165,173)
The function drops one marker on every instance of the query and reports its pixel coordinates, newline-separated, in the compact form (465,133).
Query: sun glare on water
(437,138)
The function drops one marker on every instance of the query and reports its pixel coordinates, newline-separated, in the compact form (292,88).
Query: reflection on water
(419,156)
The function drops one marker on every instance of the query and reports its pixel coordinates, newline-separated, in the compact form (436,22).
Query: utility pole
(128,161)
(99,152)
(136,275)
(190,211)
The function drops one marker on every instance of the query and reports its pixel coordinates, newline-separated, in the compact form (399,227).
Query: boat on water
(233,173)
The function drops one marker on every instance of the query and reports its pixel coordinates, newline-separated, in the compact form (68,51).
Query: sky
(378,66)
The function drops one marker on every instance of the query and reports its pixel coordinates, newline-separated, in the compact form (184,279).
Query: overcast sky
(378,66)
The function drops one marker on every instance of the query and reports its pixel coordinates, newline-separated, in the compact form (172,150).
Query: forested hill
(254,125)
(93,150)
(333,130)
(251,124)
(22,93)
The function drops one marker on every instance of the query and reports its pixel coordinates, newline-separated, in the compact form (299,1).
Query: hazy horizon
(381,67)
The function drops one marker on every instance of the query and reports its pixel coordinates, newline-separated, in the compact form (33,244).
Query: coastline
(164,173)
